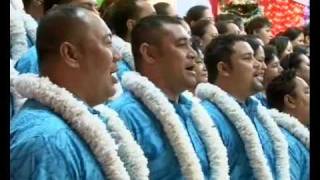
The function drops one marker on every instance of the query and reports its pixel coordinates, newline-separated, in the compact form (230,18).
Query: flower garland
(242,123)
(293,125)
(18,101)
(76,114)
(22,25)
(129,150)
(18,35)
(158,103)
(280,143)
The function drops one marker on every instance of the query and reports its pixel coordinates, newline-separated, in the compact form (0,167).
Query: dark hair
(225,17)
(292,61)
(162,8)
(279,87)
(281,43)
(150,30)
(49,32)
(254,43)
(222,26)
(26,3)
(270,53)
(292,33)
(306,30)
(237,20)
(121,11)
(219,49)
(48,4)
(195,13)
(199,28)
(196,45)
(256,24)
(300,49)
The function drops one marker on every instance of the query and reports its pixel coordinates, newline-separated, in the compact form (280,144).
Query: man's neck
(234,91)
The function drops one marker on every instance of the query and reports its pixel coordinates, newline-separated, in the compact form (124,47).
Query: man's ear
(223,69)
(147,52)
(289,101)
(70,54)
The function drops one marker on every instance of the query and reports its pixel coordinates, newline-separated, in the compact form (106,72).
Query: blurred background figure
(164,9)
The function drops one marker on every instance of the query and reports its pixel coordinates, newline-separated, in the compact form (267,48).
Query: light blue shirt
(148,132)
(29,62)
(238,160)
(262,99)
(43,146)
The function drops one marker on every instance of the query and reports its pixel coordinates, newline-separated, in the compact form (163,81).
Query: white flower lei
(280,144)
(129,150)
(76,114)
(18,101)
(22,25)
(293,125)
(18,35)
(158,103)
(242,123)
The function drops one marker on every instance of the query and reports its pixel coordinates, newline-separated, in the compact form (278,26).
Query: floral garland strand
(18,35)
(217,152)
(76,114)
(293,125)
(243,124)
(18,101)
(178,137)
(158,103)
(30,25)
(129,150)
(280,143)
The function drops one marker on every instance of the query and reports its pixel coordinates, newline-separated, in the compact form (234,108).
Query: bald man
(46,143)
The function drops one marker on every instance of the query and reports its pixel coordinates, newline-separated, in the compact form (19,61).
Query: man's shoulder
(35,119)
(126,100)
(211,107)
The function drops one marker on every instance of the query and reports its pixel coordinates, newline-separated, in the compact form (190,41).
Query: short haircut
(219,49)
(270,53)
(254,43)
(230,17)
(195,13)
(199,28)
(161,8)
(292,33)
(279,87)
(222,26)
(50,34)
(149,30)
(121,11)
(281,43)
(256,24)
(292,61)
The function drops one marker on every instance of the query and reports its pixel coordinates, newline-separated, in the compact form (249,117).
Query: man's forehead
(177,30)
(242,47)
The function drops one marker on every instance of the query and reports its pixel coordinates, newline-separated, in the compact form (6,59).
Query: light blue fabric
(262,99)
(43,146)
(238,161)
(29,62)
(123,67)
(11,106)
(148,132)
